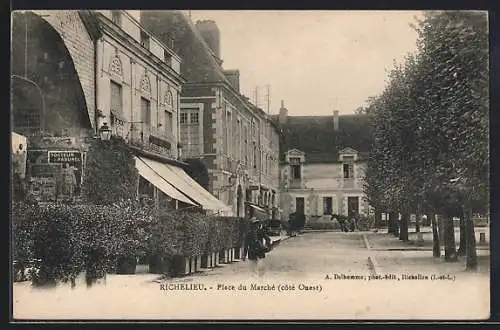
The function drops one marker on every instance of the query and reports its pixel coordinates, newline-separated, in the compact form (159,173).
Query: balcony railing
(153,140)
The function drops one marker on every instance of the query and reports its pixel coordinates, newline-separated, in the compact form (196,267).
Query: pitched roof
(315,136)
(198,63)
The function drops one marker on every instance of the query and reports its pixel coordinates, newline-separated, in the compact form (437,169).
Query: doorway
(299,205)
(352,206)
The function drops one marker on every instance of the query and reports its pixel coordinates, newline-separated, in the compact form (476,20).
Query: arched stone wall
(77,39)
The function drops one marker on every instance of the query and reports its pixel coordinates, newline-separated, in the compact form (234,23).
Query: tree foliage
(110,174)
(430,124)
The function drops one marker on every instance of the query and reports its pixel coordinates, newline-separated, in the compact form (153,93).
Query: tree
(430,135)
(110,174)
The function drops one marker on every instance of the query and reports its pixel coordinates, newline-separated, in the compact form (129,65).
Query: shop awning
(206,194)
(183,182)
(257,207)
(159,182)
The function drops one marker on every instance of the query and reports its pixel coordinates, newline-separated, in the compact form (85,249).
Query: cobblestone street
(293,287)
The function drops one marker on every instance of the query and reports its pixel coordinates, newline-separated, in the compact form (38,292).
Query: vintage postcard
(250,165)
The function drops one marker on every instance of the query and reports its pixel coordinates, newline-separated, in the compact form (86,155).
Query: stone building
(322,164)
(236,140)
(75,71)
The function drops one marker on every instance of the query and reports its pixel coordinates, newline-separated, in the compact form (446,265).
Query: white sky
(316,61)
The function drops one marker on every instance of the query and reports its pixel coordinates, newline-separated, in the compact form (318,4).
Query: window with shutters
(145,112)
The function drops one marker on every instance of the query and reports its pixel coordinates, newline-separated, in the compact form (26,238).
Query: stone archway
(55,50)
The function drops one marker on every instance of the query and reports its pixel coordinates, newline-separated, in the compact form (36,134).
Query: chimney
(283,113)
(335,120)
(234,78)
(210,33)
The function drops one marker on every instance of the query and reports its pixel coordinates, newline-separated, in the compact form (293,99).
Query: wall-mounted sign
(72,168)
(59,157)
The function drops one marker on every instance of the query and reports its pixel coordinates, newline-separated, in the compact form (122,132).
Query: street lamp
(105,132)
(179,148)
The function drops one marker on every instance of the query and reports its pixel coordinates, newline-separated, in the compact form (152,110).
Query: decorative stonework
(115,66)
(145,85)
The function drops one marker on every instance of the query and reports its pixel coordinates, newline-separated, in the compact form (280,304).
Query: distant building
(235,139)
(322,164)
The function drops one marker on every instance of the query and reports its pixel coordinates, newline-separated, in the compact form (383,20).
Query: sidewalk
(383,241)
(395,256)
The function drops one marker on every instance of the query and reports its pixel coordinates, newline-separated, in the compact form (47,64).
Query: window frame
(296,169)
(148,102)
(182,115)
(192,115)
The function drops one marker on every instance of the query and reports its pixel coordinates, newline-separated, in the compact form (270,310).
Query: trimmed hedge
(70,239)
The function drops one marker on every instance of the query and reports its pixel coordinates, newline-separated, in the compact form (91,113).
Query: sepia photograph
(221,165)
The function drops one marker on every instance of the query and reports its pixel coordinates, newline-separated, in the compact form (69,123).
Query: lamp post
(179,150)
(105,132)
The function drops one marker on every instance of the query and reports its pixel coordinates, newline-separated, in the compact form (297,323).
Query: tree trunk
(436,247)
(378,219)
(462,246)
(441,224)
(450,249)
(417,223)
(396,224)
(390,223)
(470,239)
(403,234)
(393,220)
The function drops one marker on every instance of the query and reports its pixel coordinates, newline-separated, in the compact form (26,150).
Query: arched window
(169,100)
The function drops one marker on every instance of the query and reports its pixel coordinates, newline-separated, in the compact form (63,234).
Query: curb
(372,261)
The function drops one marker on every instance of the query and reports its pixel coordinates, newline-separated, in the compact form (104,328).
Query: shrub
(110,174)
(195,233)
(23,221)
(70,239)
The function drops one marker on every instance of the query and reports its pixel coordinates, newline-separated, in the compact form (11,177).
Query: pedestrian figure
(69,181)
(255,248)
(343,225)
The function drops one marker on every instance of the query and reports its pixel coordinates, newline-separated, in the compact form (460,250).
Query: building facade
(138,84)
(75,72)
(323,164)
(237,141)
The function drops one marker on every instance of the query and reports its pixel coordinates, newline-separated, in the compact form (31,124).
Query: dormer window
(116,17)
(348,167)
(144,40)
(167,57)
